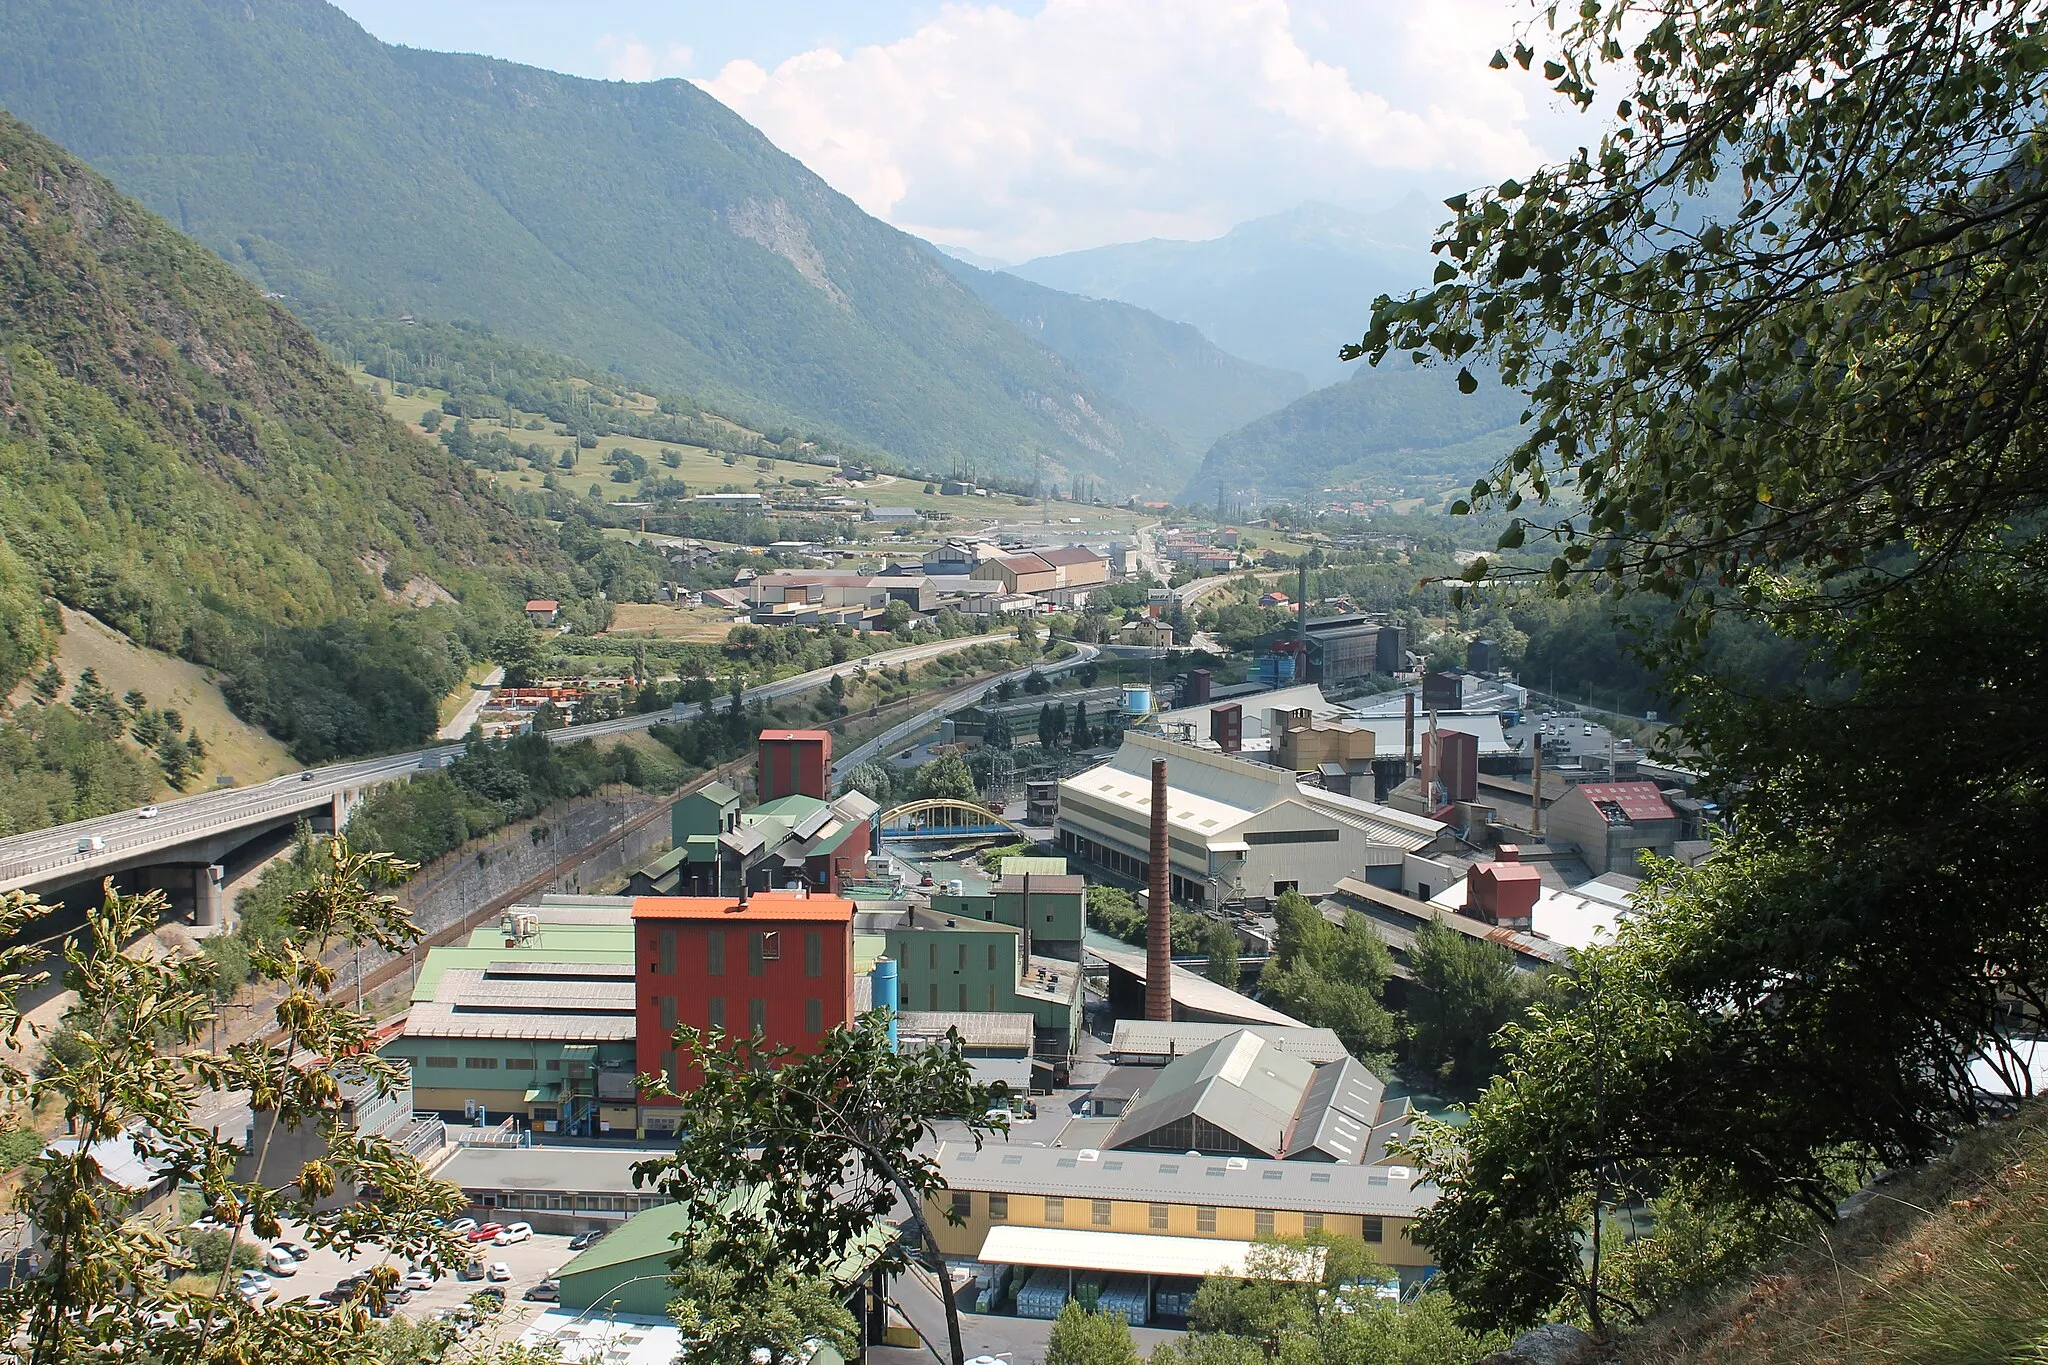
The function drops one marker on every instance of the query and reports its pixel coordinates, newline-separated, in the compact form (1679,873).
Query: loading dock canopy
(1139,1254)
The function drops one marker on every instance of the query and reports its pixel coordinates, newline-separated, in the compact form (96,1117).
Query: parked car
(492,1291)
(586,1239)
(253,1279)
(463,1225)
(499,1272)
(293,1249)
(278,1261)
(547,1291)
(418,1277)
(514,1232)
(487,1233)
(473,1271)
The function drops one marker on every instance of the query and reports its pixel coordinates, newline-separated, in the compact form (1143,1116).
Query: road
(896,734)
(459,724)
(40,857)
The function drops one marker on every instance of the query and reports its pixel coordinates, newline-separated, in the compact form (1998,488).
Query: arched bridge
(946,818)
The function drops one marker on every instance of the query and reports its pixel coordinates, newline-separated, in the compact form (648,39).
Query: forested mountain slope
(180,458)
(1166,372)
(1285,290)
(1391,430)
(644,226)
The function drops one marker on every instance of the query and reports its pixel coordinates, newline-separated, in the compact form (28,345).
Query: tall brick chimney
(1159,910)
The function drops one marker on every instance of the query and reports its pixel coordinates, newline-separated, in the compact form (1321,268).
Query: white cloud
(1108,120)
(626,58)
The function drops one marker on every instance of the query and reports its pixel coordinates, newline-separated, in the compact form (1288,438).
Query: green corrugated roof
(717,793)
(790,809)
(477,959)
(555,937)
(653,1233)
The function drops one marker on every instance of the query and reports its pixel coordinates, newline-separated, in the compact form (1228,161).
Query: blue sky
(1036,126)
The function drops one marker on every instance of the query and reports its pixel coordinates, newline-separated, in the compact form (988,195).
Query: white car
(498,1273)
(417,1278)
(514,1232)
(147,813)
(1589,729)
(463,1226)
(253,1281)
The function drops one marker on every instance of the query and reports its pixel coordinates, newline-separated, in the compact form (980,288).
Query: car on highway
(487,1233)
(92,843)
(147,813)
(514,1232)
(1589,729)
(306,776)
(499,1272)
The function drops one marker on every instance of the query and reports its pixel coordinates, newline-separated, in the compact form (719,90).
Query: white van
(278,1261)
(92,843)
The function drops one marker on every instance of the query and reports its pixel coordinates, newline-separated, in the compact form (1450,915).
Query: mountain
(643,227)
(1166,372)
(1399,429)
(180,458)
(1283,291)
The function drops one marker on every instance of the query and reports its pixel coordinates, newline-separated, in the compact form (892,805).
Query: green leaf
(1466,382)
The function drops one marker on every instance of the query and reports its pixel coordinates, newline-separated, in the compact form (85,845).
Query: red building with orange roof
(776,963)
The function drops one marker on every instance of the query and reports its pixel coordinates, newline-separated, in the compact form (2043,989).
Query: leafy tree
(946,778)
(788,1160)
(875,779)
(1219,943)
(1027,631)
(138,1070)
(1332,977)
(729,1315)
(1083,1336)
(1466,990)
(135,701)
(1791,315)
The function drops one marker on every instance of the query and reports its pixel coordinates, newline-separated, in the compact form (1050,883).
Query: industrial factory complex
(1181,1120)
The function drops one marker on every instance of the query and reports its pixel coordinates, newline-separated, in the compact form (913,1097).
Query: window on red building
(714,964)
(814,954)
(814,1016)
(665,955)
(757,1015)
(716,1011)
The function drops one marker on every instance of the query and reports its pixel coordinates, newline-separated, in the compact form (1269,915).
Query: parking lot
(530,1262)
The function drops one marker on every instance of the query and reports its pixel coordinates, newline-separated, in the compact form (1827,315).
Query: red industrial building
(793,763)
(1451,758)
(777,964)
(1505,891)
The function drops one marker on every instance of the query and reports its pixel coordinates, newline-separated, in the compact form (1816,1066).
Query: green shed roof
(439,960)
(790,809)
(654,1235)
(1036,867)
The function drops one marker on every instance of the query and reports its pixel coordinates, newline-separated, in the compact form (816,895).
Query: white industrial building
(1237,828)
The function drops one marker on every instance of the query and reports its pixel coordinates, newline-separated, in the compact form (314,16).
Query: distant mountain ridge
(1396,430)
(640,226)
(1166,372)
(1283,291)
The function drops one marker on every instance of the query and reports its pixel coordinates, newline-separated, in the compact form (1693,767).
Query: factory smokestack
(1159,910)
(1408,741)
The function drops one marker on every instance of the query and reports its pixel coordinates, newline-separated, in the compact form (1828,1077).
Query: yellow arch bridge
(946,818)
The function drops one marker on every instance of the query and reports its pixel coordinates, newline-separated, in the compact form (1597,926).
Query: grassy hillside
(1166,372)
(1395,431)
(640,226)
(233,747)
(179,458)
(1946,1267)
